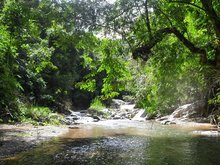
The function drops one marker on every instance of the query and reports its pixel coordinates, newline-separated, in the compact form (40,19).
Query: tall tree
(146,24)
(208,50)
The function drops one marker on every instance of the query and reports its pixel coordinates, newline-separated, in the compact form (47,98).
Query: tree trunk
(214,18)
(207,4)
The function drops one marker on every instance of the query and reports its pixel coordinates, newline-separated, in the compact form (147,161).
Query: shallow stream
(125,143)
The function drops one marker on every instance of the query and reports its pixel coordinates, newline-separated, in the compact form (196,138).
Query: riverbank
(122,141)
(22,137)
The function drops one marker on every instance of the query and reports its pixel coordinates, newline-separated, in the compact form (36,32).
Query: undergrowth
(38,115)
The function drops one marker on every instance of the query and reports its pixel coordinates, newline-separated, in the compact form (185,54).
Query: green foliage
(96,104)
(12,15)
(215,100)
(173,75)
(169,79)
(37,55)
(8,82)
(97,108)
(38,115)
(106,58)
(51,49)
(89,85)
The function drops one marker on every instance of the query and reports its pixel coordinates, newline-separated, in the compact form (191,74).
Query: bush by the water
(39,115)
(97,108)
(97,104)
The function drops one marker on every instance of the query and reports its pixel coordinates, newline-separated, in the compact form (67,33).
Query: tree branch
(188,3)
(144,51)
(210,11)
(165,15)
(147,19)
(113,18)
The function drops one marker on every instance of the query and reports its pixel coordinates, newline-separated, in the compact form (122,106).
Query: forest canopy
(63,54)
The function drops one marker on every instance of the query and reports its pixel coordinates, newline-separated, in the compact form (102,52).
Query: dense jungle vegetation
(60,54)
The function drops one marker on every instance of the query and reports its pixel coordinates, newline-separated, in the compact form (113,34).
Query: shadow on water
(105,145)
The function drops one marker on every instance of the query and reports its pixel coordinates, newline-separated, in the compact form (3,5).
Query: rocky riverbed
(21,137)
(118,110)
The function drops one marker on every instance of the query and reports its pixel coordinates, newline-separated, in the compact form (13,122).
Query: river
(125,142)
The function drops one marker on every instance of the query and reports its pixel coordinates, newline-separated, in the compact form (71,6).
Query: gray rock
(128,116)
(116,103)
(162,118)
(172,122)
(193,110)
(105,110)
(96,118)
(127,107)
(149,117)
(140,115)
(89,115)
(75,117)
(165,122)
(117,117)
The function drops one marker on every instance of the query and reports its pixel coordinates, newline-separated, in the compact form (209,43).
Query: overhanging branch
(144,51)
(188,3)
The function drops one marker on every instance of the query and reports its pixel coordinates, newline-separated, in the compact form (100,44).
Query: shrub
(96,104)
(39,115)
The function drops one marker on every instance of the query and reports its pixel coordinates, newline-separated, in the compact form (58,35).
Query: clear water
(125,143)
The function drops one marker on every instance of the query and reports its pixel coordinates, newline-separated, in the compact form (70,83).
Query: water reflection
(125,144)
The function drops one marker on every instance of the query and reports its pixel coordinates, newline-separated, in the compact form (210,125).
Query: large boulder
(127,107)
(116,103)
(189,111)
(140,116)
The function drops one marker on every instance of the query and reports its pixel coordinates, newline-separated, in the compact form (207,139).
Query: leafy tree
(105,60)
(40,52)
(49,47)
(191,29)
(186,26)
(8,82)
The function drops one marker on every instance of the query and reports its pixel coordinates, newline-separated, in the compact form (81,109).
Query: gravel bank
(21,137)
